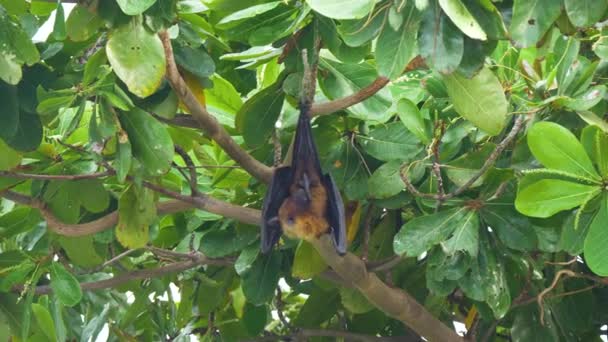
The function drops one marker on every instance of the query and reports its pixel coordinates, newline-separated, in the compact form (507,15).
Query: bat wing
(305,156)
(277,192)
(335,214)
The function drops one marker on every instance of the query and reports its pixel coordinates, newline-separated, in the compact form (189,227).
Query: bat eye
(290,220)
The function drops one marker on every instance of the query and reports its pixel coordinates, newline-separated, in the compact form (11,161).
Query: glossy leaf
(465,236)
(396,47)
(547,197)
(137,57)
(480,99)
(307,262)
(134,7)
(136,211)
(258,115)
(421,233)
(260,282)
(82,24)
(150,142)
(513,229)
(345,79)
(342,9)
(412,118)
(583,13)
(28,135)
(557,148)
(596,255)
(441,44)
(10,158)
(45,321)
(386,181)
(65,285)
(531,20)
(390,142)
(462,18)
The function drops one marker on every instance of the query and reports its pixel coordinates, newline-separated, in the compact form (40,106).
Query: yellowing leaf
(137,57)
(195,86)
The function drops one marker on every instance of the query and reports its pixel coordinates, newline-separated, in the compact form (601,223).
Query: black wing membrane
(305,151)
(335,214)
(277,193)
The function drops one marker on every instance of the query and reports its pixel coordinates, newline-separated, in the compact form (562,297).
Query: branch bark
(345,102)
(195,261)
(208,122)
(392,301)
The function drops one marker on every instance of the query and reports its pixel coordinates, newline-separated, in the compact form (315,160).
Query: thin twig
(280,305)
(20,175)
(113,260)
(193,179)
(367,227)
(439,132)
(486,166)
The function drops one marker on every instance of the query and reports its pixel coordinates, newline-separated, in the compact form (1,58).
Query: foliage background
(468,137)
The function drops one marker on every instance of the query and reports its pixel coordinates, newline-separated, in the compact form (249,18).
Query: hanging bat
(302,202)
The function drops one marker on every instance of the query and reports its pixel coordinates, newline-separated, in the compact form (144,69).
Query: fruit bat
(302,202)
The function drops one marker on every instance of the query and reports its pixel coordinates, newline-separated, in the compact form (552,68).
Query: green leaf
(601,156)
(81,251)
(412,118)
(463,168)
(358,32)
(65,286)
(513,229)
(134,7)
(10,113)
(59,30)
(527,326)
(219,243)
(584,13)
(462,18)
(15,221)
(254,318)
(28,135)
(465,236)
(137,57)
(319,307)
(258,115)
(136,211)
(45,321)
(307,262)
(223,97)
(260,282)
(342,9)
(82,24)
(547,197)
(572,239)
(94,65)
(10,158)
(52,104)
(596,255)
(94,326)
(124,155)
(354,301)
(423,232)
(249,12)
(151,143)
(346,79)
(196,61)
(390,142)
(480,99)
(395,48)
(532,19)
(246,259)
(386,181)
(557,148)
(441,44)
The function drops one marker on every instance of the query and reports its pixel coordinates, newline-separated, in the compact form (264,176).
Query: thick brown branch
(345,102)
(208,122)
(392,301)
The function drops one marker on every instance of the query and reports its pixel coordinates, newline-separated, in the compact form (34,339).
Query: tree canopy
(468,139)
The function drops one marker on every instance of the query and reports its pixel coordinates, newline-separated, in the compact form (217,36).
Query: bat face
(302,202)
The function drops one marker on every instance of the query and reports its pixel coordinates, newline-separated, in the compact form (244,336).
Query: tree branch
(196,260)
(305,334)
(20,175)
(486,166)
(345,102)
(392,301)
(208,122)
